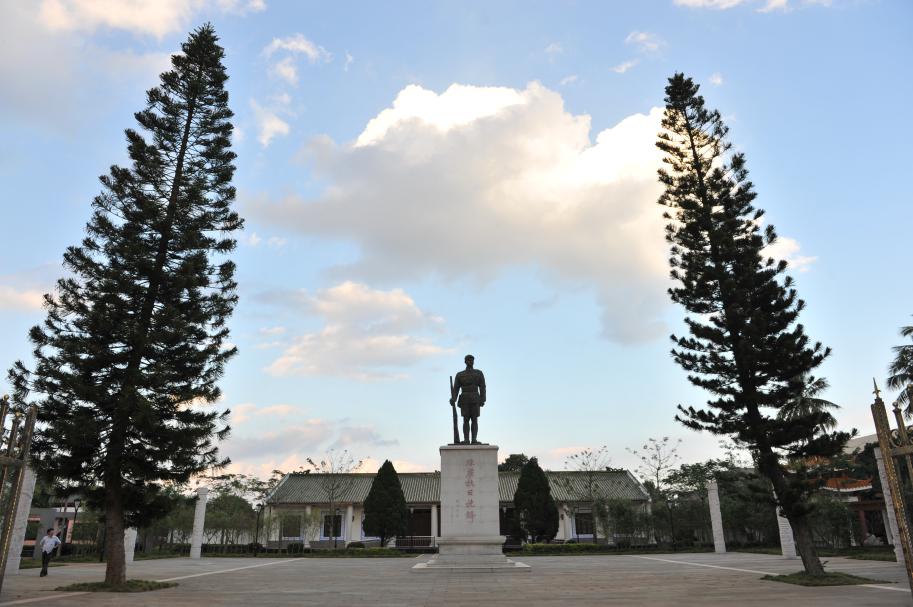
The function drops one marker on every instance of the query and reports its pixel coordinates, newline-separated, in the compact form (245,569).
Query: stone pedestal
(471,537)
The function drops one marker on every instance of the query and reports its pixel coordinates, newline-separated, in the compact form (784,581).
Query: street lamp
(76,504)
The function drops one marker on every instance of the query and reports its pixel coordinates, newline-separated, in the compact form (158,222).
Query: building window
(583,523)
(332,525)
(290,527)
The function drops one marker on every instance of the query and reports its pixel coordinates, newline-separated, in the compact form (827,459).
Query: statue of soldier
(469,386)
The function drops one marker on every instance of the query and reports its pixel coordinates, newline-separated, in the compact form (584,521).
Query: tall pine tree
(744,345)
(534,508)
(134,341)
(386,514)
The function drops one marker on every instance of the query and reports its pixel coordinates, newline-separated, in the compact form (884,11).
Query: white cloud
(621,68)
(553,50)
(539,192)
(12,298)
(349,61)
(788,249)
(774,5)
(286,69)
(253,240)
(152,17)
(716,79)
(273,330)
(276,242)
(269,124)
(298,44)
(367,334)
(569,80)
(645,42)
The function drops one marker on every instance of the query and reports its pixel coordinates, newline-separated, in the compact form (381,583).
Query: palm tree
(902,373)
(807,402)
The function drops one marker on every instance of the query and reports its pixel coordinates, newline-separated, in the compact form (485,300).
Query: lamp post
(76,503)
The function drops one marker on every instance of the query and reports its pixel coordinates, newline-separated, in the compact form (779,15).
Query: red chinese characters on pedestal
(470,484)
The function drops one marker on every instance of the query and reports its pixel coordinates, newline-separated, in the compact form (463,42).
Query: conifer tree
(534,508)
(745,345)
(386,514)
(127,360)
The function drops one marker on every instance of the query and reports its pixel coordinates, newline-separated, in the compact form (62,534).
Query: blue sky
(422,180)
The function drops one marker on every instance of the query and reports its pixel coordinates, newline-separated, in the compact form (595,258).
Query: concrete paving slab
(705,579)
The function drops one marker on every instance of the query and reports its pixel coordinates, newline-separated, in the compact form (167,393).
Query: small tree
(386,514)
(657,459)
(535,510)
(335,470)
(513,463)
(744,346)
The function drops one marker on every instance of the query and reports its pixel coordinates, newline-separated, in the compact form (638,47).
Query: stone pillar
(199,520)
(129,543)
(787,541)
(887,528)
(434,531)
(307,525)
(21,522)
(716,517)
(350,527)
(889,507)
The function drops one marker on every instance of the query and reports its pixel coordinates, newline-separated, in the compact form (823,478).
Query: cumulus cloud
(299,45)
(349,61)
(286,69)
(788,249)
(535,189)
(12,298)
(623,67)
(645,42)
(571,79)
(152,17)
(269,124)
(367,334)
(716,79)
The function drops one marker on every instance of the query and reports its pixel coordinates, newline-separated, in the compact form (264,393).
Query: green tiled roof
(425,487)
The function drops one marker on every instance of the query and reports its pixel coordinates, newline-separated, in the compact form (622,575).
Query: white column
(893,534)
(21,522)
(307,531)
(434,524)
(199,520)
(129,543)
(348,524)
(716,517)
(787,541)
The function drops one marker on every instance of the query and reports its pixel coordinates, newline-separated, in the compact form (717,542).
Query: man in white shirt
(48,545)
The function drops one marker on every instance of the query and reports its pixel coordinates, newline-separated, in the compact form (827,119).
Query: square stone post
(716,517)
(21,522)
(434,531)
(199,520)
(891,518)
(348,529)
(787,541)
(129,543)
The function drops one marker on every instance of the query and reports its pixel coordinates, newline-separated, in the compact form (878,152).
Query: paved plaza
(681,579)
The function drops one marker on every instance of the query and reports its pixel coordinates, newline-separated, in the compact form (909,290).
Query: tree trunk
(116,565)
(806,547)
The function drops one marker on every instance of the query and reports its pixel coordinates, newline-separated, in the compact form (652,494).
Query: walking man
(49,544)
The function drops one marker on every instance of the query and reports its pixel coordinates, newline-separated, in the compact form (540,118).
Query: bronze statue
(468,392)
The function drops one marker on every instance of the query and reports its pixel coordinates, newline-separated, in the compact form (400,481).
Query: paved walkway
(680,579)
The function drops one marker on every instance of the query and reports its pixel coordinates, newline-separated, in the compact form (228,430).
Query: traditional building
(316,509)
